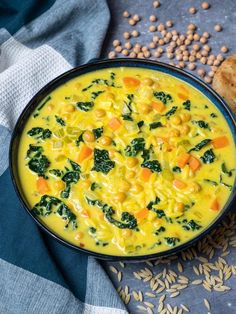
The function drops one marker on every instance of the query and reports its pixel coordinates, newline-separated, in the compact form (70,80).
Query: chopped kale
(98,132)
(171,112)
(160,213)
(210,182)
(56,172)
(171,241)
(94,95)
(200,145)
(225,184)
(225,171)
(146,154)
(128,115)
(155,125)
(60,121)
(38,162)
(150,205)
(40,133)
(102,162)
(36,113)
(213,115)
(190,225)
(153,165)
(202,124)
(137,145)
(94,186)
(87,87)
(92,230)
(159,230)
(208,157)
(85,106)
(128,221)
(45,207)
(176,169)
(140,124)
(163,97)
(187,105)
(79,139)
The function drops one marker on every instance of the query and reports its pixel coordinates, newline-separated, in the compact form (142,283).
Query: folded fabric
(39,275)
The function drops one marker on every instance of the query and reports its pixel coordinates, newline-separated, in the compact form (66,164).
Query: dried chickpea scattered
(217,62)
(152,28)
(170,55)
(203,60)
(205,5)
(224,49)
(152,45)
(203,40)
(147,54)
(191,66)
(126,14)
(182,64)
(192,10)
(211,73)
(136,18)
(128,45)
(156,4)
(132,22)
(135,33)
(169,23)
(161,42)
(125,52)
(220,57)
(116,43)
(160,27)
(206,34)
(196,37)
(210,61)
(204,53)
(208,79)
(218,28)
(192,27)
(201,72)
(140,55)
(196,47)
(118,49)
(152,18)
(132,54)
(126,35)
(111,55)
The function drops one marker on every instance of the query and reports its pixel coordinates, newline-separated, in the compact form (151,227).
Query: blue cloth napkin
(38,274)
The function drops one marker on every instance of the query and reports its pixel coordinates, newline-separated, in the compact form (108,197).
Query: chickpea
(99,113)
(145,108)
(135,33)
(105,140)
(148,81)
(179,207)
(185,117)
(110,96)
(69,108)
(88,136)
(111,55)
(124,186)
(126,14)
(116,43)
(174,133)
(192,10)
(205,5)
(59,185)
(184,130)
(130,174)
(218,28)
(136,188)
(176,120)
(195,187)
(132,162)
(119,197)
(127,233)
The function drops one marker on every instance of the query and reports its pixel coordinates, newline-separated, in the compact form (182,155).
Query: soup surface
(126,161)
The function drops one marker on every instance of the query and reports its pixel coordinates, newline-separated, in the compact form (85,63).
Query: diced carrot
(84,153)
(194,163)
(114,123)
(162,140)
(158,106)
(84,213)
(142,214)
(183,89)
(179,184)
(42,185)
(131,81)
(220,142)
(215,205)
(182,96)
(183,160)
(145,174)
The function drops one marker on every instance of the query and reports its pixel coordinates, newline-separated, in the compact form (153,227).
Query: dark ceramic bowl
(103,64)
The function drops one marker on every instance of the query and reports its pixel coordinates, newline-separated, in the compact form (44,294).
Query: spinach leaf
(146,154)
(161,229)
(225,171)
(208,157)
(200,145)
(94,95)
(225,184)
(128,116)
(187,105)
(137,145)
(60,121)
(56,172)
(45,207)
(202,124)
(74,165)
(163,97)
(155,125)
(213,115)
(210,182)
(85,106)
(38,162)
(102,162)
(98,132)
(150,205)
(79,139)
(171,241)
(40,133)
(92,230)
(176,169)
(140,124)
(94,186)
(190,225)
(171,112)
(36,113)
(153,165)
(160,213)
(128,221)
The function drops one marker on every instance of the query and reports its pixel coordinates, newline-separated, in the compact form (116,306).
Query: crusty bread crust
(224,81)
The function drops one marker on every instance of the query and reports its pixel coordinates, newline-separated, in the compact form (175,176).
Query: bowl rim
(74,72)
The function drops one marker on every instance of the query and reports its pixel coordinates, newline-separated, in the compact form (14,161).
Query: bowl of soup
(125,159)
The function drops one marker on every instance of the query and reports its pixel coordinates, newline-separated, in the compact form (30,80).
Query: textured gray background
(223,12)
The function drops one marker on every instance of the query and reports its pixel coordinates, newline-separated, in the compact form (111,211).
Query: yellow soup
(126,161)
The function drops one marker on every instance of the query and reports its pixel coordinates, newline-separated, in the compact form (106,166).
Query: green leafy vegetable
(79,139)
(128,115)
(225,171)
(94,95)
(210,182)
(229,186)
(46,206)
(150,205)
(85,106)
(171,241)
(128,221)
(56,172)
(161,229)
(190,225)
(187,105)
(40,133)
(98,132)
(155,125)
(213,115)
(36,113)
(171,112)
(137,145)
(38,162)
(60,121)
(94,186)
(163,97)
(176,169)
(200,145)
(153,165)
(140,124)
(208,157)
(202,124)
(102,162)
